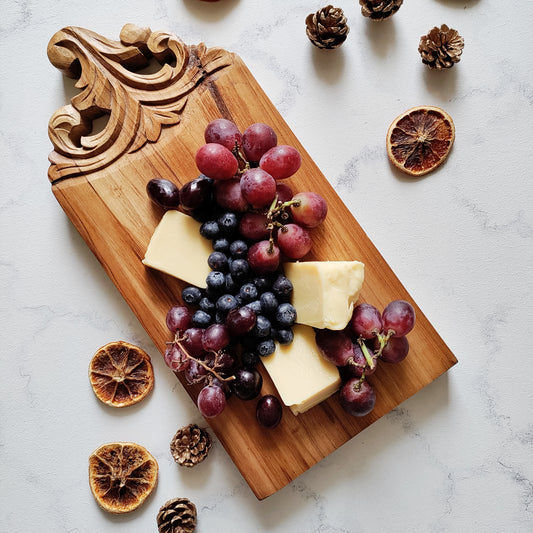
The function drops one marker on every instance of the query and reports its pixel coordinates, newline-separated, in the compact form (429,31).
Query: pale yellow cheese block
(178,249)
(325,292)
(301,375)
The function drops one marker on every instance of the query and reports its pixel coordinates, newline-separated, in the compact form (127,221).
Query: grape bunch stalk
(370,336)
(254,222)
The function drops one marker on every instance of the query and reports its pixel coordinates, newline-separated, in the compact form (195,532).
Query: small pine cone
(327,28)
(379,9)
(441,48)
(177,516)
(190,445)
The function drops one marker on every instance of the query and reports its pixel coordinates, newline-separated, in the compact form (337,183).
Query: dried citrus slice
(121,374)
(420,139)
(122,475)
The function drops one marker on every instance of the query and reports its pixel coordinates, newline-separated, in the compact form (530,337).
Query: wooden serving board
(156,121)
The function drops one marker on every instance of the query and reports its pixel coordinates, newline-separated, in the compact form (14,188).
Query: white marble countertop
(458,456)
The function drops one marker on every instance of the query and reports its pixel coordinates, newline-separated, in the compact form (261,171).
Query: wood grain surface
(155,124)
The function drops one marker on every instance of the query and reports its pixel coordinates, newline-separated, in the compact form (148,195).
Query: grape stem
(383,340)
(370,359)
(178,340)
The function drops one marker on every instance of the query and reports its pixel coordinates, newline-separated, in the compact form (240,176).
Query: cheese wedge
(325,292)
(178,249)
(301,375)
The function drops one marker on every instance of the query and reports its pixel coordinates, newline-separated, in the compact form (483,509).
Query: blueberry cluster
(264,315)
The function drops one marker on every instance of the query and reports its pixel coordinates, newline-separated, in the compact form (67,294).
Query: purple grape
(241,320)
(178,318)
(164,193)
(335,346)
(258,139)
(211,401)
(281,161)
(358,367)
(264,257)
(247,384)
(195,373)
(193,341)
(253,226)
(196,194)
(357,397)
(399,317)
(224,132)
(366,321)
(268,411)
(228,195)
(284,192)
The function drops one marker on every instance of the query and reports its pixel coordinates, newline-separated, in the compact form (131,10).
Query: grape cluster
(253,221)
(370,336)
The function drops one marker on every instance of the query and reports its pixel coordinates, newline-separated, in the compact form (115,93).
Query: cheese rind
(301,375)
(325,292)
(178,249)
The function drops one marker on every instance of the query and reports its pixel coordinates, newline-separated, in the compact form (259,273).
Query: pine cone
(441,48)
(190,445)
(379,9)
(177,516)
(327,27)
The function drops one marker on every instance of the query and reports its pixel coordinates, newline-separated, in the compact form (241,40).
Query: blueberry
(231,285)
(282,287)
(226,303)
(248,292)
(228,223)
(210,229)
(215,281)
(269,302)
(266,347)
(286,315)
(218,261)
(255,306)
(239,269)
(263,283)
(249,359)
(248,343)
(283,336)
(207,305)
(238,249)
(201,319)
(221,245)
(191,295)
(262,327)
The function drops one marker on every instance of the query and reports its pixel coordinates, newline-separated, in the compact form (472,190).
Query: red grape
(215,337)
(310,211)
(216,161)
(175,359)
(366,321)
(193,341)
(335,346)
(395,350)
(283,191)
(281,161)
(211,401)
(258,139)
(294,241)
(357,397)
(253,226)
(178,318)
(258,187)
(399,317)
(196,193)
(164,193)
(241,320)
(228,195)
(224,132)
(268,411)
(358,367)
(195,373)
(264,257)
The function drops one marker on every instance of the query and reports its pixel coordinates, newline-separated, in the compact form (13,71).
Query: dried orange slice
(121,374)
(420,139)
(122,475)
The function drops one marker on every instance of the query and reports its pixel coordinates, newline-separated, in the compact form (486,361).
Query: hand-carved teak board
(155,125)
